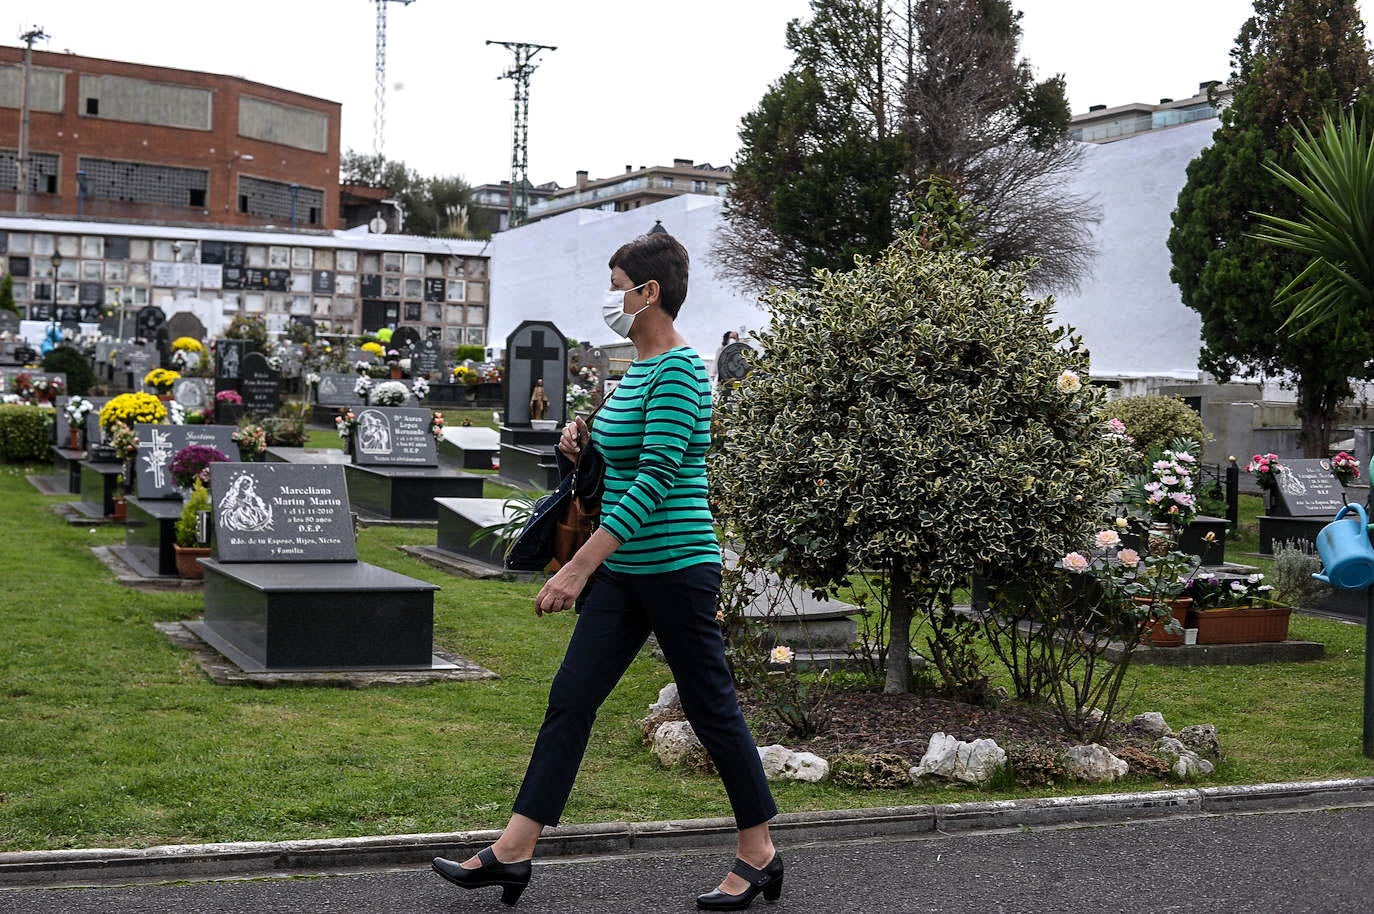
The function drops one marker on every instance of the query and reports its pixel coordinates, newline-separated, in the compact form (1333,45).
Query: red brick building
(115,140)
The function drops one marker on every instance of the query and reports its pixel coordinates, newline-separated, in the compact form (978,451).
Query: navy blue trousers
(617,613)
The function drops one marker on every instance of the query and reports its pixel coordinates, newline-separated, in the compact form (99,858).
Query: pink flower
(1129,557)
(1075,562)
(1107,538)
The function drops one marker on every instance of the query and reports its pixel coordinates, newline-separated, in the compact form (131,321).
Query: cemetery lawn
(109,736)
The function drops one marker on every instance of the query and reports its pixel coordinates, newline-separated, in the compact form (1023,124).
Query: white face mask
(613,311)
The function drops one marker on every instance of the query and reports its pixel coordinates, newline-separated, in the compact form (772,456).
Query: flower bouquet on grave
(1165,494)
(389,393)
(131,409)
(436,425)
(45,390)
(251,439)
(229,397)
(466,375)
(345,422)
(1266,469)
(161,380)
(78,408)
(192,463)
(123,440)
(420,388)
(373,348)
(176,413)
(1345,468)
(363,388)
(1210,591)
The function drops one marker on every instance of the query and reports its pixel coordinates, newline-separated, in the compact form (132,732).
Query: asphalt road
(1276,862)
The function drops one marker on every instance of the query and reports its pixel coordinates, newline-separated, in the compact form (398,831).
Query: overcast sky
(631,82)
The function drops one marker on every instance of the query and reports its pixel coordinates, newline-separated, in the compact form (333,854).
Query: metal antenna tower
(379,105)
(21,200)
(520,73)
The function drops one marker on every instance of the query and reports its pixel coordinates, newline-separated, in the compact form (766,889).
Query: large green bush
(469,352)
(1154,421)
(24,432)
(918,416)
(75,365)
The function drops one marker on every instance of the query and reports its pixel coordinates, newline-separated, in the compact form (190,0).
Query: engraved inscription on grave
(1308,489)
(279,512)
(395,437)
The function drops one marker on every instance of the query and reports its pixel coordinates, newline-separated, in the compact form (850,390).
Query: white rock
(1151,724)
(1202,739)
(1094,763)
(805,766)
(1187,764)
(674,741)
(775,759)
(973,763)
(667,700)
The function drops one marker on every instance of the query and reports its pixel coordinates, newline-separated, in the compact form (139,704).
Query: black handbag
(578,494)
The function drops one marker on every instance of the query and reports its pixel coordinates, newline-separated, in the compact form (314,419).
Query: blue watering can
(1346,555)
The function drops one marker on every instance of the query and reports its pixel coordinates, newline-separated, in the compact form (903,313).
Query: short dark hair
(657,256)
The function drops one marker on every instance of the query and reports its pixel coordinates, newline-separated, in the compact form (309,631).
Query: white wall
(1130,314)
(555,269)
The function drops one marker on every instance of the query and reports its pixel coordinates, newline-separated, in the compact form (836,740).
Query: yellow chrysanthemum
(132,409)
(187,344)
(374,348)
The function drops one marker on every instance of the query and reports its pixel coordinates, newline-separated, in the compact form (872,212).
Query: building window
(275,199)
(42,171)
(92,106)
(141,182)
(698,187)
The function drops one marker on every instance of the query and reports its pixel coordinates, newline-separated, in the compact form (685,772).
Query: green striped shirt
(654,432)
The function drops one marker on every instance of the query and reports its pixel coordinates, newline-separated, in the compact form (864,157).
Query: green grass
(110,736)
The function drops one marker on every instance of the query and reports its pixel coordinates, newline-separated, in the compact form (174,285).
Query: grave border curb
(92,866)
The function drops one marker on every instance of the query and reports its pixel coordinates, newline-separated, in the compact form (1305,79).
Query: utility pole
(520,73)
(21,201)
(379,104)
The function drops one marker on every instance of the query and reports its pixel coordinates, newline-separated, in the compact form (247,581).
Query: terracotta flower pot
(1241,625)
(187,566)
(74,438)
(1155,634)
(120,509)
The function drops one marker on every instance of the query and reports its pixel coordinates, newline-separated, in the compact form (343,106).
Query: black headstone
(260,385)
(137,359)
(184,323)
(281,512)
(149,320)
(1308,489)
(428,358)
(116,247)
(158,444)
(405,338)
(322,282)
(395,436)
(535,351)
(229,359)
(435,287)
(336,389)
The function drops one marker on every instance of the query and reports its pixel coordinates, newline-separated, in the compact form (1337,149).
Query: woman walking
(652,566)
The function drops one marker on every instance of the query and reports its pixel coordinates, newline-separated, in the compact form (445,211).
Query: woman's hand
(573,439)
(561,591)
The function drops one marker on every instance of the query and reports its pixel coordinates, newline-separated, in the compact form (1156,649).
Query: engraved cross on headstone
(534,354)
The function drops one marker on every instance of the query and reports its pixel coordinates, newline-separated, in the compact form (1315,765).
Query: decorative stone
(667,699)
(675,742)
(1094,763)
(775,759)
(1202,739)
(1187,764)
(806,766)
(972,763)
(1150,723)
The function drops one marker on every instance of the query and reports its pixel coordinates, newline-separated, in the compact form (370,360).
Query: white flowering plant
(420,388)
(1217,591)
(363,387)
(1165,493)
(389,393)
(77,409)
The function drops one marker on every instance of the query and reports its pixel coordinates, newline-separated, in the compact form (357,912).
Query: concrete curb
(263,858)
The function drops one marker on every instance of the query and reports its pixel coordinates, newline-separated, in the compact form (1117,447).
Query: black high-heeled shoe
(512,877)
(767,881)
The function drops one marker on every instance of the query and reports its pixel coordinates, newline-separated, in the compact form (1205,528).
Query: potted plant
(228,407)
(1153,584)
(1164,493)
(78,408)
(131,409)
(252,440)
(389,393)
(189,546)
(191,464)
(1235,609)
(161,381)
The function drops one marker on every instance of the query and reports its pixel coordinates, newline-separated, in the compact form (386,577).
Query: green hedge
(24,432)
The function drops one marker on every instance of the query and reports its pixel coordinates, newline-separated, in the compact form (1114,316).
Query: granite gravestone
(138,359)
(337,389)
(184,323)
(405,340)
(9,321)
(158,444)
(149,321)
(427,359)
(1306,488)
(193,393)
(260,385)
(229,360)
(394,436)
(281,512)
(535,351)
(733,362)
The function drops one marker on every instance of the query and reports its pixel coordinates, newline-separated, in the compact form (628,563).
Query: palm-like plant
(1336,229)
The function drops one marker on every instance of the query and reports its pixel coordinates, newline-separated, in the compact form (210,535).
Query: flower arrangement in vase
(1266,469)
(389,393)
(192,464)
(188,545)
(1345,468)
(251,439)
(161,380)
(131,409)
(78,408)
